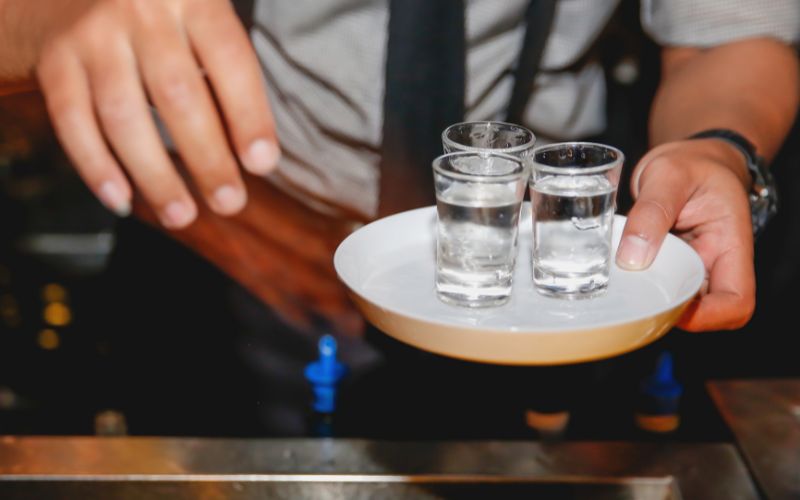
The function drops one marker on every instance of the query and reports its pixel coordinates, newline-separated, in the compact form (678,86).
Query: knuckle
(147,12)
(745,312)
(656,209)
(94,29)
(663,165)
(63,107)
(748,309)
(90,29)
(50,73)
(232,49)
(739,322)
(115,108)
(135,6)
(173,90)
(51,60)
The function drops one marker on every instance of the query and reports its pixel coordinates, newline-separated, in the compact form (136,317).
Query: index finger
(730,300)
(222,46)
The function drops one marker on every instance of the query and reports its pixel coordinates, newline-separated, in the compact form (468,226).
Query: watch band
(763,194)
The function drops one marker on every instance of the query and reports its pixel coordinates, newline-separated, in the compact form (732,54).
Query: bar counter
(763,415)
(143,468)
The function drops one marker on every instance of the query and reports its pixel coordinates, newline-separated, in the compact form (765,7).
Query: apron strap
(425,75)
(539,17)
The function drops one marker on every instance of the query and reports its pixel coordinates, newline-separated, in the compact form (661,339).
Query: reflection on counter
(356,469)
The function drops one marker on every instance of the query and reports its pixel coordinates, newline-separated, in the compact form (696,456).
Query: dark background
(96,341)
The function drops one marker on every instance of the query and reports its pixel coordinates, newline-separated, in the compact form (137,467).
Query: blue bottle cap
(324,374)
(661,383)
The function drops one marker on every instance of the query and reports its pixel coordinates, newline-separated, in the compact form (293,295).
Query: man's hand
(697,188)
(281,251)
(99,62)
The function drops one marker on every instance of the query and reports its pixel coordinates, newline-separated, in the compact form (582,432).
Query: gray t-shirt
(324,62)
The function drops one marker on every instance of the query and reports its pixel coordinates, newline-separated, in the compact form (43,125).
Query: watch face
(763,202)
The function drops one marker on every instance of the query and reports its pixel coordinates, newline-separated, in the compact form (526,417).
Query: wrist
(760,186)
(729,156)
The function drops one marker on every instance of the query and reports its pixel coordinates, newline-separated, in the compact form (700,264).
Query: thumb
(663,190)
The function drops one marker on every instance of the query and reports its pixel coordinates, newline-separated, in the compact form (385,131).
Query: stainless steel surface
(224,468)
(765,417)
(297,490)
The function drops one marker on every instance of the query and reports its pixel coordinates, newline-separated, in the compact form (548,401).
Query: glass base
(472,297)
(570,286)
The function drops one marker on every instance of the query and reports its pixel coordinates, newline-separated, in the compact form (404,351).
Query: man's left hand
(697,189)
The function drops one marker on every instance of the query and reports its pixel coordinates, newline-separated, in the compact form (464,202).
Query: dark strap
(424,94)
(425,75)
(244,9)
(539,19)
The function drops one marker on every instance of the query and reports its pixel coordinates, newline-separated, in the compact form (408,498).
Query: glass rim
(540,167)
(463,147)
(521,171)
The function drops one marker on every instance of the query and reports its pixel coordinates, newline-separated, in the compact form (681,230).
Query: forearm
(751,86)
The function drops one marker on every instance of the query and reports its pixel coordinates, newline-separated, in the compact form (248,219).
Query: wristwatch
(763,192)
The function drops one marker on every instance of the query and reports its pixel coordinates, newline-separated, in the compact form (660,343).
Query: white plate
(389,264)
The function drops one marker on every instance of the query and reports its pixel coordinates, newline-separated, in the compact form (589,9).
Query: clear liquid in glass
(572,222)
(477,243)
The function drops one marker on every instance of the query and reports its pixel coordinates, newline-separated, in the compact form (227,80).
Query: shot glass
(573,189)
(478,201)
(489,137)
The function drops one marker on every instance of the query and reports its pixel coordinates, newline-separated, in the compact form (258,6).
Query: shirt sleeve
(705,23)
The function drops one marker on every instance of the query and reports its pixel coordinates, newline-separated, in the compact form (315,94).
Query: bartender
(265,151)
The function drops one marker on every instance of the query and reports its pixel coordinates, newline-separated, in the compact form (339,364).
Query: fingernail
(632,253)
(112,197)
(178,214)
(229,200)
(262,156)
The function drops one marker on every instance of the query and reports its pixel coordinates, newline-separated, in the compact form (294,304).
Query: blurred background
(60,348)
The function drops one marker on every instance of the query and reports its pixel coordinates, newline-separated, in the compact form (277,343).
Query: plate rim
(616,349)
(679,301)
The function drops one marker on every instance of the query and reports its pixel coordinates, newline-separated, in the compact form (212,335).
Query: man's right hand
(282,252)
(98,62)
